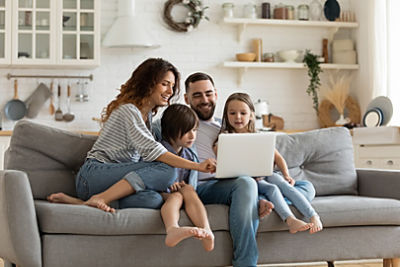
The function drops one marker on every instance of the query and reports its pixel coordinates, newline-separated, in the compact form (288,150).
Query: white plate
(385,105)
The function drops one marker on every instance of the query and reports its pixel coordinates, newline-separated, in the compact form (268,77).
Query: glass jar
(280,11)
(250,11)
(303,12)
(290,12)
(228,10)
(268,57)
(315,10)
(265,10)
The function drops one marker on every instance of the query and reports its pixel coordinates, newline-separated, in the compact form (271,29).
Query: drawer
(391,164)
(381,151)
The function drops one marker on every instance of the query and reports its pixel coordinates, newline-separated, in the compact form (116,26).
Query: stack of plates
(379,112)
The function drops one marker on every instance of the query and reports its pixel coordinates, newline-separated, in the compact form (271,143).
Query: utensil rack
(89,77)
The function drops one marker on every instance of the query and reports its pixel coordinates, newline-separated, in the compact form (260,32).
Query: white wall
(204,49)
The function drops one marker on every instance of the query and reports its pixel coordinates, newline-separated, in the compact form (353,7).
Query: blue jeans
(241,195)
(145,177)
(275,188)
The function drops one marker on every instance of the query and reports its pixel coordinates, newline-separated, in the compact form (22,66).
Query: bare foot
(99,203)
(208,240)
(177,234)
(64,198)
(296,225)
(264,208)
(317,224)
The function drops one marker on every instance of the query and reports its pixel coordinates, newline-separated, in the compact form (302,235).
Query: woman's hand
(209,165)
(289,179)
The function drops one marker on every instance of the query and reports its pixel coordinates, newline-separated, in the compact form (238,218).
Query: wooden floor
(325,265)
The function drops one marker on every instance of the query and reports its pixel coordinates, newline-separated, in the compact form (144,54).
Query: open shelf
(333,26)
(244,66)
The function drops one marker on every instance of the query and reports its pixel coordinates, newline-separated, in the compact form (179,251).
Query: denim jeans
(145,177)
(275,187)
(241,195)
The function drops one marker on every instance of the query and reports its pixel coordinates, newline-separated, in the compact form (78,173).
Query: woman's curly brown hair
(141,84)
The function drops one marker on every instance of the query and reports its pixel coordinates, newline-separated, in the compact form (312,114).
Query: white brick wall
(204,49)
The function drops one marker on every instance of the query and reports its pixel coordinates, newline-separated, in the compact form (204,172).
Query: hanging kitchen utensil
(51,106)
(36,100)
(59,115)
(15,109)
(68,116)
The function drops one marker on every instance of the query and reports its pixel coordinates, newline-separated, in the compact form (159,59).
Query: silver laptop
(249,154)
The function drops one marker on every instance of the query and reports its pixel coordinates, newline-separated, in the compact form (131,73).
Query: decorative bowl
(289,55)
(246,57)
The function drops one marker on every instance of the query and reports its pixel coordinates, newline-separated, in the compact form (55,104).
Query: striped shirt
(125,137)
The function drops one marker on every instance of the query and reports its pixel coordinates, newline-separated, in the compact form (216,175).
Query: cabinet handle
(389,162)
(369,162)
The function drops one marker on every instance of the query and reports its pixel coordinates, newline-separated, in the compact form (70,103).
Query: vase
(342,120)
(331,10)
(315,10)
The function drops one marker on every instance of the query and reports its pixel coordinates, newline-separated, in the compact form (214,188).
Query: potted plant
(314,69)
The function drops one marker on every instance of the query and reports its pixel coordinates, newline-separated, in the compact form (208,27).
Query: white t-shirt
(206,135)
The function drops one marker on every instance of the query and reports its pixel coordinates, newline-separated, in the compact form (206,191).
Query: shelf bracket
(332,32)
(241,29)
(241,73)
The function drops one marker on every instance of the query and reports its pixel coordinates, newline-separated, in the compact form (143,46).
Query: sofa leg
(331,263)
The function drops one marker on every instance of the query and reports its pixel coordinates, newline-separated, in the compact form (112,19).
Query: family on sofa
(129,165)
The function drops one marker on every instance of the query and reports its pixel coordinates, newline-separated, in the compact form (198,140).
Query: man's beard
(205,116)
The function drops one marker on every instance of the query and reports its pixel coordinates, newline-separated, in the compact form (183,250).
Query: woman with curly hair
(126,163)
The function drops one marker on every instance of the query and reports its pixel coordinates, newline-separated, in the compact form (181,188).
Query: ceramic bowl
(246,57)
(289,55)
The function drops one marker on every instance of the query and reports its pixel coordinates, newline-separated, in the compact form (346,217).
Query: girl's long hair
(226,127)
(142,83)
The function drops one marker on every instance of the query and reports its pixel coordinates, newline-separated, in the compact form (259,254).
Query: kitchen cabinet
(243,23)
(5,32)
(4,143)
(52,33)
(377,147)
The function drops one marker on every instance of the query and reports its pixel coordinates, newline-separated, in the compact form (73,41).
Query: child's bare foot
(296,225)
(264,208)
(177,234)
(64,198)
(317,224)
(208,240)
(99,203)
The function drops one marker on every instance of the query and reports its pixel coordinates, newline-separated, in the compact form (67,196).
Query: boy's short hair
(177,120)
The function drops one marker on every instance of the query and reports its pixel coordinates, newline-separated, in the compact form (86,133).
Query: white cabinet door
(4,143)
(5,32)
(52,33)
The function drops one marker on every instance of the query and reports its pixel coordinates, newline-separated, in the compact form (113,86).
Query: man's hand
(176,186)
(209,165)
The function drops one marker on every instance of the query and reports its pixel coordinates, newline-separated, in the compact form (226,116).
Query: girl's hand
(209,165)
(290,180)
(175,187)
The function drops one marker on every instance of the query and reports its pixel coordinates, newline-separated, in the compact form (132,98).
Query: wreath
(194,16)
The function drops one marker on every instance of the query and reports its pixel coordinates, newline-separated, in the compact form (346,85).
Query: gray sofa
(360,210)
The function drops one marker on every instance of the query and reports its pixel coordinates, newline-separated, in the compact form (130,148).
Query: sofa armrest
(379,183)
(19,231)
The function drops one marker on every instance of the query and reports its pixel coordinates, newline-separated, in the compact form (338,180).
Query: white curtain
(385,38)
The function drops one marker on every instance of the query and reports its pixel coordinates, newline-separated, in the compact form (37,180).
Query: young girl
(238,117)
(126,163)
(179,127)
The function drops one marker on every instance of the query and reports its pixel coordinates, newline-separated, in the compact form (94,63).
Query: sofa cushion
(335,211)
(323,157)
(51,157)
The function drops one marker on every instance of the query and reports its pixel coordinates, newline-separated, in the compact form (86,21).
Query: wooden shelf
(244,66)
(333,26)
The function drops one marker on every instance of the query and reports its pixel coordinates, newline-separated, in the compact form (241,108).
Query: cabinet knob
(389,162)
(369,162)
